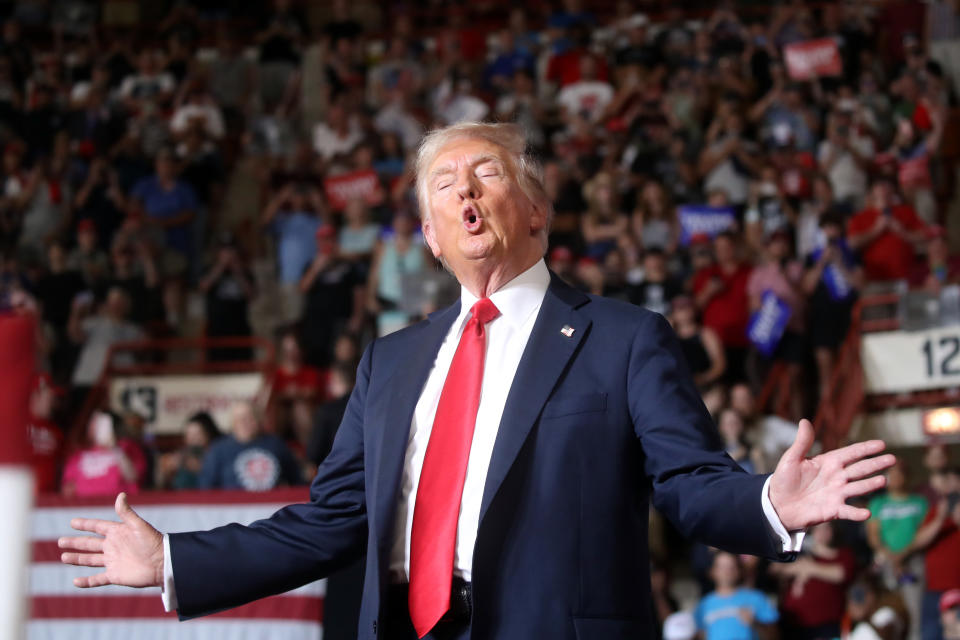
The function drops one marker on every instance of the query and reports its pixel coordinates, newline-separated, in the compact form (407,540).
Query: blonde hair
(524,168)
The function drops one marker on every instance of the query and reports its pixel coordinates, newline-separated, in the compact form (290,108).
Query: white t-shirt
(846,177)
(587,97)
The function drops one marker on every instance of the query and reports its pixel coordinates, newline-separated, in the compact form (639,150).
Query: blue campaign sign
(696,219)
(768,323)
(833,277)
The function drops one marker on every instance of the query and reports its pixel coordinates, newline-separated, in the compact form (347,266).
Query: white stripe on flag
(49,523)
(119,629)
(52,579)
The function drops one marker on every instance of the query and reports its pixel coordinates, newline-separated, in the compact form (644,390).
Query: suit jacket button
(374,627)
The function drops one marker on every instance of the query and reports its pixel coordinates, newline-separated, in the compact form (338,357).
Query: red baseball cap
(949,600)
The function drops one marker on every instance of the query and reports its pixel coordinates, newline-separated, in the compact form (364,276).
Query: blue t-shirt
(296,243)
(259,465)
(719,617)
(162,203)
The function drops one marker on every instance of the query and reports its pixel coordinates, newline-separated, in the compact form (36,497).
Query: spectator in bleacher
(832,281)
(56,289)
(732,430)
(732,612)
(657,288)
(87,258)
(702,350)
(293,214)
(782,276)
(728,158)
(950,614)
(768,208)
(228,286)
(811,211)
(133,269)
(886,234)
(198,111)
(604,222)
(148,84)
(873,613)
(329,414)
(588,97)
(297,387)
(99,199)
(338,134)
(108,464)
(180,469)
(940,269)
(95,328)
(938,538)
(912,151)
(895,519)
(398,258)
(720,292)
(247,458)
(845,156)
(654,221)
(814,587)
(46,436)
(167,205)
(358,236)
(333,299)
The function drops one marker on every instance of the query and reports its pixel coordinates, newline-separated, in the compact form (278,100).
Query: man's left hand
(807,491)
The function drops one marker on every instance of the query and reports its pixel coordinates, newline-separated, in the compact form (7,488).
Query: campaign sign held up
(813,59)
(768,323)
(696,219)
(357,184)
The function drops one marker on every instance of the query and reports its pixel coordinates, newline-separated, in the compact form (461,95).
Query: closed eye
(443,185)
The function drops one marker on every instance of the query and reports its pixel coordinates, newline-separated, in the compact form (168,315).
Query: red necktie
(437,508)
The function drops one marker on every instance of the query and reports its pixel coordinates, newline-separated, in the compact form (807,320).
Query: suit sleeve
(234,564)
(703,492)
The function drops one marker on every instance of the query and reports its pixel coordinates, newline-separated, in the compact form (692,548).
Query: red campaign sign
(348,186)
(812,59)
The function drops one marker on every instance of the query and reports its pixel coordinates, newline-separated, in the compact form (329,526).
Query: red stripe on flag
(278,496)
(283,607)
(46,551)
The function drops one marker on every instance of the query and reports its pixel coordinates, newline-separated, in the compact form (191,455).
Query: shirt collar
(517,299)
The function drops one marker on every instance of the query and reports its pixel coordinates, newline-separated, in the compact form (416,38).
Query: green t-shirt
(899,518)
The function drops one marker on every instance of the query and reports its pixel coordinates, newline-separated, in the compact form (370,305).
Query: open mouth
(471,219)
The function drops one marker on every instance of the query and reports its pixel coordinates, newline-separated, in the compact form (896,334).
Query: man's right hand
(130,551)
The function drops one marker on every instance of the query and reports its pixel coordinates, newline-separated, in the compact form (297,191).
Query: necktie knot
(484,311)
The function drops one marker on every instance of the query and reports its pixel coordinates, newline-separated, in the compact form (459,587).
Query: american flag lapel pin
(567,330)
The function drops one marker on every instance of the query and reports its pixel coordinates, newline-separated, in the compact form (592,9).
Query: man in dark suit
(495,461)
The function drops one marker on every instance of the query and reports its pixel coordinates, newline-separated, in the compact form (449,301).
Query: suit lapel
(556,334)
(405,387)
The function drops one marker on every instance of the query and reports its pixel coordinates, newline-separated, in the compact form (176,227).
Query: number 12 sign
(898,361)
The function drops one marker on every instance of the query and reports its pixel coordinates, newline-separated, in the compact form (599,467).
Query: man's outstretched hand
(130,551)
(807,491)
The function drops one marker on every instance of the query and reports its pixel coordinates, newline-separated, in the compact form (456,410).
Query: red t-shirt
(46,440)
(305,378)
(889,257)
(564,68)
(821,602)
(943,556)
(727,312)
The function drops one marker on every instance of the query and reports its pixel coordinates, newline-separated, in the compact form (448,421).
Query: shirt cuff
(168,593)
(792,541)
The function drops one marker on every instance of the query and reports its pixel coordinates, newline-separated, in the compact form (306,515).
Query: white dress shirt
(519,303)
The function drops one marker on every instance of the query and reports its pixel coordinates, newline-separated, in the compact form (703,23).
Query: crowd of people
(212,172)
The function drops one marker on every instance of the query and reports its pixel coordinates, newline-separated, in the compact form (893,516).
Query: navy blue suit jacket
(595,423)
